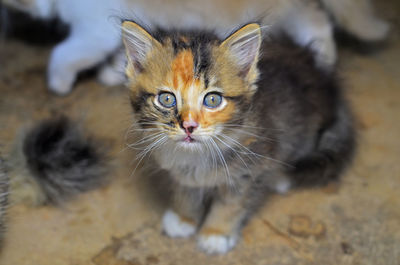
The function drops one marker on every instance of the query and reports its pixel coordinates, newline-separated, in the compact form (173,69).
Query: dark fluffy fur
(62,160)
(4,185)
(308,106)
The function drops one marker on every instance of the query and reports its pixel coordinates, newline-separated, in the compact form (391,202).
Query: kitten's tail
(357,18)
(53,162)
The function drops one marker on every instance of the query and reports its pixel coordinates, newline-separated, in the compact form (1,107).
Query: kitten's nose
(189,126)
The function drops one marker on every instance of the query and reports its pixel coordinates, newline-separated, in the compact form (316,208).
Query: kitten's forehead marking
(190,90)
(182,70)
(183,78)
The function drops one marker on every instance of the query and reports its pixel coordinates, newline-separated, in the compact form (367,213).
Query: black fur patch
(62,160)
(199,42)
(138,102)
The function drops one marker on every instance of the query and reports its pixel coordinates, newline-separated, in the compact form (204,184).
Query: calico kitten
(95,35)
(231,120)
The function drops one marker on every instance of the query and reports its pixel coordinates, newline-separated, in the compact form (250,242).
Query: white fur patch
(173,226)
(215,244)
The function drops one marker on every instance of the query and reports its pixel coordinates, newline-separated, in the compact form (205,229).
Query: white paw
(109,76)
(173,226)
(216,244)
(61,85)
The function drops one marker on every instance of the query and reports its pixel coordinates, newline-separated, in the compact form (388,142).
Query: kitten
(95,36)
(231,120)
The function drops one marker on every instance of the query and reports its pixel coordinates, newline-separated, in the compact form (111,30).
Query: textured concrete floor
(357,222)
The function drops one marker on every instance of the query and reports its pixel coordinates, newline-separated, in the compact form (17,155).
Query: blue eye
(167,99)
(212,100)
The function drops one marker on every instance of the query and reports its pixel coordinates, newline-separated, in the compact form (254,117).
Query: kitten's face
(188,89)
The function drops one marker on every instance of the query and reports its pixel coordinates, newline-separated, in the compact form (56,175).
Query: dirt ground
(356,222)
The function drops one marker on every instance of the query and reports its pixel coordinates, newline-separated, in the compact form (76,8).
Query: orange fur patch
(210,118)
(187,220)
(212,231)
(249,141)
(182,69)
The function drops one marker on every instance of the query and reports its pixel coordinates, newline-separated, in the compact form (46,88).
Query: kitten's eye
(212,100)
(167,99)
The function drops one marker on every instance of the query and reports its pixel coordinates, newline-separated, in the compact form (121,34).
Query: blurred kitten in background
(95,33)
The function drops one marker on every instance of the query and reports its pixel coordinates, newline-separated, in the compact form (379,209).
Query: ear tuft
(244,45)
(138,43)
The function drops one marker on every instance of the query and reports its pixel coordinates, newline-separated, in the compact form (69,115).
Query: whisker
(143,154)
(253,153)
(223,161)
(146,139)
(251,134)
(235,152)
(251,127)
(150,146)
(214,159)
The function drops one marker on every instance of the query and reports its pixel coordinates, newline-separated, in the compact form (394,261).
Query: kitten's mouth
(188,139)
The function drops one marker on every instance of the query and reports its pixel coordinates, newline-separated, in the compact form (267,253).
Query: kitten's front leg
(186,210)
(220,231)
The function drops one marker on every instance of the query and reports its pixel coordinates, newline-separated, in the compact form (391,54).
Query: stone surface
(356,222)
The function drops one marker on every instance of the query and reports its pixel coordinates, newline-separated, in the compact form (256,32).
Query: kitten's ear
(138,43)
(244,46)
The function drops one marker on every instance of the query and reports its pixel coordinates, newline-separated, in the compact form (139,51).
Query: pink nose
(189,126)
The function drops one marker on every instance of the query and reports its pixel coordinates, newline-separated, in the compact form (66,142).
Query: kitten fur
(95,35)
(282,122)
(4,185)
(62,161)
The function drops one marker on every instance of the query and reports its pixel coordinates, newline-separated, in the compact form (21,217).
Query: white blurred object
(95,27)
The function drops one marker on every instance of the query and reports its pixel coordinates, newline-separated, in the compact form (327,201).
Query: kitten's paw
(173,226)
(216,244)
(60,85)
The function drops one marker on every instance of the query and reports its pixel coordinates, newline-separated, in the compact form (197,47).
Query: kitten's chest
(189,169)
